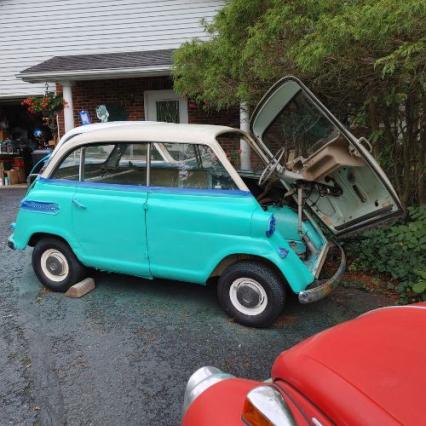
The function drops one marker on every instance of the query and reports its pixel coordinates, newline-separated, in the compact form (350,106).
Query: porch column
(244,146)
(69,108)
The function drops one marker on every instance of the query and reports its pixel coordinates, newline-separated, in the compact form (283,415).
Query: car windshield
(300,129)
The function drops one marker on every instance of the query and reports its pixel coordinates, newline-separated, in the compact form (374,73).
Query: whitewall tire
(55,264)
(252,293)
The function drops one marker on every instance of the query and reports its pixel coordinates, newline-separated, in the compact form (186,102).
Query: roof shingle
(105,61)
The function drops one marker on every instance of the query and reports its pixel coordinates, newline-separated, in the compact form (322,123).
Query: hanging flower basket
(48,106)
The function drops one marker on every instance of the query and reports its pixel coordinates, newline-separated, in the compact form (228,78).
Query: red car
(368,371)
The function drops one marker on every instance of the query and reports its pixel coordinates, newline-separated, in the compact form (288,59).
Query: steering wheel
(267,173)
(271,167)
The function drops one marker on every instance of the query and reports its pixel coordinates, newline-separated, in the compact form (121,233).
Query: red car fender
(222,404)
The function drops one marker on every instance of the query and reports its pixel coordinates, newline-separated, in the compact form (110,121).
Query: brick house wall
(129,94)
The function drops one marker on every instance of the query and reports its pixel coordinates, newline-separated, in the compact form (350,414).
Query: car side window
(120,163)
(188,166)
(69,167)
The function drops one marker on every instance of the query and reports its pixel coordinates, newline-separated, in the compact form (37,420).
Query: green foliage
(399,251)
(366,59)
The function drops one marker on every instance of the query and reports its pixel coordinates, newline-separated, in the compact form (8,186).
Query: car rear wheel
(55,264)
(252,293)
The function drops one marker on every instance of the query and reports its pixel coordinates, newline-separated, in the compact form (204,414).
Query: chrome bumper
(200,381)
(321,288)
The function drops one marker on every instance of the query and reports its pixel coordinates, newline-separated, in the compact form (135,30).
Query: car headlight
(200,381)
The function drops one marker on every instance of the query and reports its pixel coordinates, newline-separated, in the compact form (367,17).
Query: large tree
(366,59)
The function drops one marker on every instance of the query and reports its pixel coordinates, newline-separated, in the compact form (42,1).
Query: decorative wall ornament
(102,113)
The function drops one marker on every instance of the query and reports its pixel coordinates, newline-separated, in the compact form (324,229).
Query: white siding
(32,31)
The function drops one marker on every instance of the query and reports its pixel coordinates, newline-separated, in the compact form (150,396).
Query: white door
(165,105)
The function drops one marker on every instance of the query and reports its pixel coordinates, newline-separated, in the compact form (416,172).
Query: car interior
(125,164)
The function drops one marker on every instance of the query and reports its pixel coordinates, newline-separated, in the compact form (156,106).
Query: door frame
(152,96)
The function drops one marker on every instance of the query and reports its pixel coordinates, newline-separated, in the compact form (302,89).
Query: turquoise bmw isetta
(184,202)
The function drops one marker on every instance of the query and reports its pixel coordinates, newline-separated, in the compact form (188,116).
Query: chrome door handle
(78,204)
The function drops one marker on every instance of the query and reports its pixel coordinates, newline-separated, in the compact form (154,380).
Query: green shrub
(399,251)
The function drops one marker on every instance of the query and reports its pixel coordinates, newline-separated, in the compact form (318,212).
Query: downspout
(244,146)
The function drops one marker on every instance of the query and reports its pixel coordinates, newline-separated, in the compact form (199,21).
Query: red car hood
(367,371)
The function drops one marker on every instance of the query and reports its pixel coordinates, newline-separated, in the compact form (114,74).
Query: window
(188,166)
(246,164)
(69,167)
(300,127)
(121,163)
(168,111)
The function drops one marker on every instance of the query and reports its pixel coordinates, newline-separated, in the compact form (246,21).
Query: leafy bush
(365,59)
(399,251)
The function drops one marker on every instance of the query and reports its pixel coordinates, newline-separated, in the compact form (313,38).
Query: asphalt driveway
(122,354)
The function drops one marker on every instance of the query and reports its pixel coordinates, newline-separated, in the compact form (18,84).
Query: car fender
(22,239)
(221,404)
(273,250)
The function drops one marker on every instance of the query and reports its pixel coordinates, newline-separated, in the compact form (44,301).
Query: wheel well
(35,238)
(234,258)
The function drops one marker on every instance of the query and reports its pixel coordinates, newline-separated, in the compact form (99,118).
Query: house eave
(94,74)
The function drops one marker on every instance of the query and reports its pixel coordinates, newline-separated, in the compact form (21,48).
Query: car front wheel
(55,264)
(251,293)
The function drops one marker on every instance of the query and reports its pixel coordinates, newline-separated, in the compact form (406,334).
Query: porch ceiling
(102,66)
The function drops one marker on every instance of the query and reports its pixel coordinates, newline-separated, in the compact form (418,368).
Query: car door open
(332,171)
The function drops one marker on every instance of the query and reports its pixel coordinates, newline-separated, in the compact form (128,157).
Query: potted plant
(48,106)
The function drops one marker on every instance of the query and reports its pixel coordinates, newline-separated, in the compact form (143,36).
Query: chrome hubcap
(248,296)
(54,265)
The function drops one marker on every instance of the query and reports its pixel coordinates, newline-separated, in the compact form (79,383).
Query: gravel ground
(122,354)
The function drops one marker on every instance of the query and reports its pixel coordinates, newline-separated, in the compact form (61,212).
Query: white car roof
(146,131)
(95,126)
(155,132)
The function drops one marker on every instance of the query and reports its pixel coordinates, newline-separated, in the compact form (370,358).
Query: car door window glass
(188,166)
(69,167)
(121,163)
(300,128)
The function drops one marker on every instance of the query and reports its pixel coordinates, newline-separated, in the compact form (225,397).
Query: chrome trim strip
(40,207)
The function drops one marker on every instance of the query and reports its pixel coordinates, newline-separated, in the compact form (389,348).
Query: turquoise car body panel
(108,222)
(34,220)
(164,232)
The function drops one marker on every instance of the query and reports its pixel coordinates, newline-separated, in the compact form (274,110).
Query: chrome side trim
(40,206)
